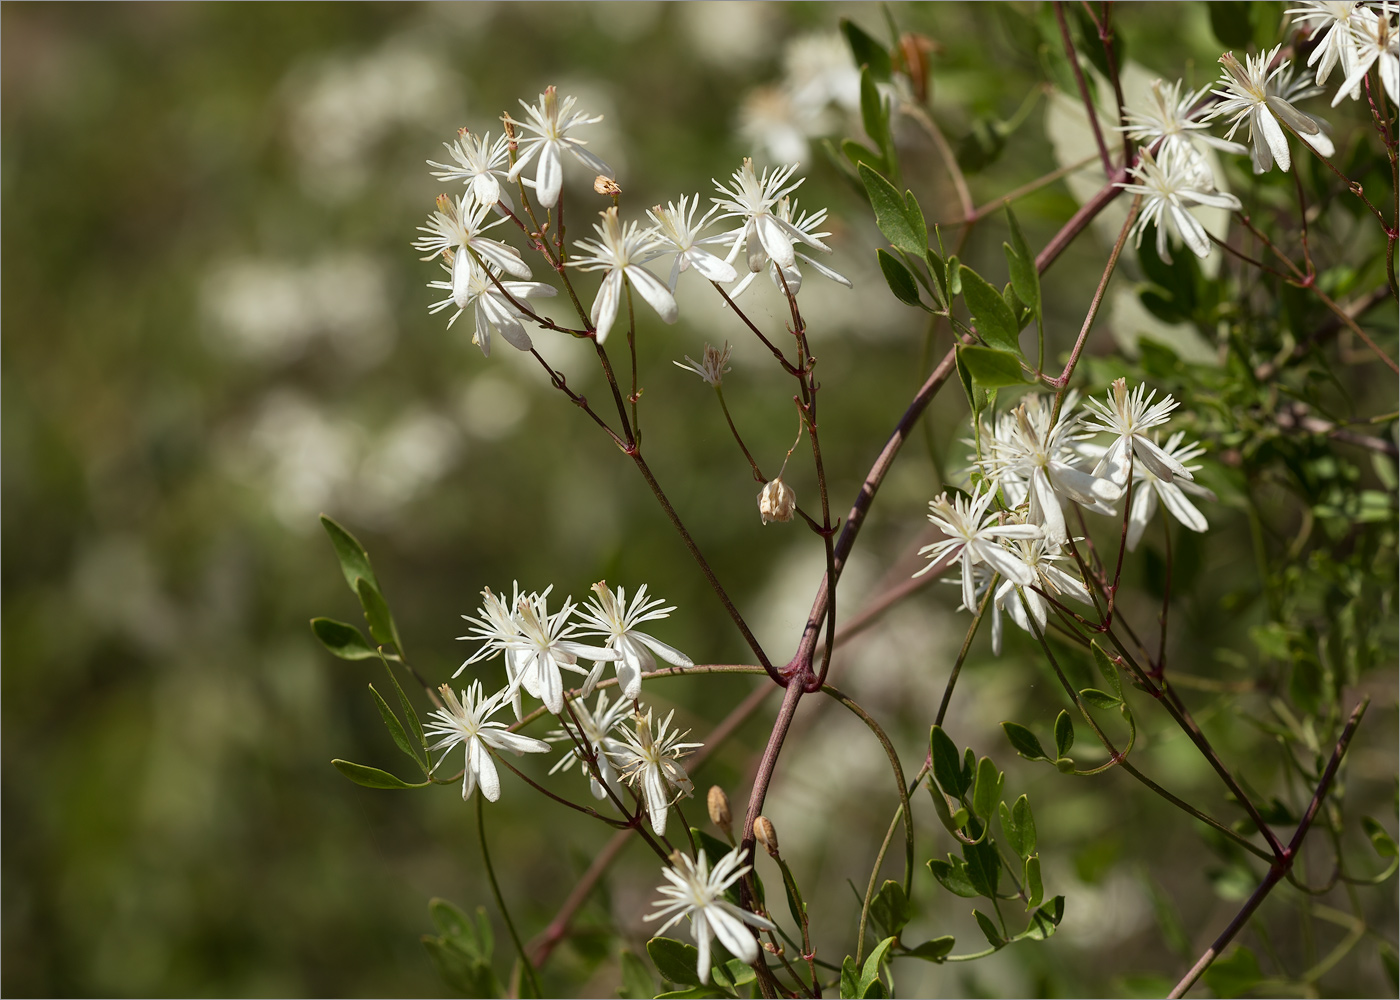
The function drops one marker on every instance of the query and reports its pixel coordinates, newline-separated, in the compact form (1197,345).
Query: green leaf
(891,214)
(693,993)
(1025,823)
(995,323)
(899,279)
(952,821)
(372,777)
(933,951)
(1044,921)
(415,724)
(391,722)
(954,277)
(1380,840)
(866,51)
(1108,668)
(381,623)
(915,215)
(1024,741)
(859,153)
(991,368)
(1064,734)
(345,641)
(675,960)
(733,973)
(637,983)
(1100,699)
(1035,890)
(354,560)
(890,908)
(945,763)
(451,921)
(870,974)
(986,790)
(875,116)
(952,875)
(989,929)
(1021,264)
(1231,21)
(465,974)
(939,270)
(850,979)
(976,398)
(983,866)
(1235,974)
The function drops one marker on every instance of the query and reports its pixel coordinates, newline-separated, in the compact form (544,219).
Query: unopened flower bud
(776,501)
(718,803)
(603,184)
(764,833)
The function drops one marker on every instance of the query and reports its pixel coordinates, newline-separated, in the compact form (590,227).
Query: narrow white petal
(732,933)
(710,267)
(1272,133)
(670,654)
(1182,509)
(700,931)
(774,240)
(655,293)
(1158,462)
(514,742)
(1144,506)
(486,773)
(1045,507)
(1004,563)
(590,161)
(549,175)
(605,305)
(1192,233)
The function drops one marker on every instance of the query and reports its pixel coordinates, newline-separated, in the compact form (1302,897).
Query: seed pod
(718,804)
(603,184)
(776,501)
(764,833)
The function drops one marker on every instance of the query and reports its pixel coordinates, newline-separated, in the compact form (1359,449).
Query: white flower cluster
(767,227)
(1028,467)
(1172,173)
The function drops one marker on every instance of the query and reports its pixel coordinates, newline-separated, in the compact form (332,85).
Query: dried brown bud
(776,501)
(718,803)
(764,833)
(604,184)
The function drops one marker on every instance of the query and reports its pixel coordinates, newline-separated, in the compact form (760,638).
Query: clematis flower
(1246,97)
(1334,20)
(1148,489)
(651,763)
(466,722)
(1129,416)
(753,199)
(678,233)
(550,121)
(696,891)
(712,366)
(495,313)
(975,535)
(1040,556)
(1168,118)
(621,252)
(791,276)
(592,732)
(608,614)
(477,162)
(1377,44)
(542,649)
(457,226)
(1169,187)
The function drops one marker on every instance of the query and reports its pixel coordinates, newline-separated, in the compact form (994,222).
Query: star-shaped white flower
(1246,97)
(467,722)
(1148,489)
(495,313)
(542,648)
(754,200)
(608,614)
(1169,186)
(621,252)
(974,534)
(1040,556)
(791,277)
(1129,416)
(651,763)
(477,162)
(550,121)
(1334,20)
(697,892)
(1168,117)
(592,732)
(678,233)
(494,626)
(1377,44)
(712,366)
(457,226)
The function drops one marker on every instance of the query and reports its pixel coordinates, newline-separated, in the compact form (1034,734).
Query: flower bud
(603,184)
(776,501)
(718,803)
(764,833)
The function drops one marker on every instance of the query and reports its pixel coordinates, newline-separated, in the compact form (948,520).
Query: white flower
(477,163)
(974,534)
(495,313)
(621,252)
(1168,118)
(677,233)
(1040,556)
(1293,86)
(551,121)
(696,892)
(1338,45)
(1246,97)
(774,123)
(1167,188)
(1377,42)
(653,763)
(1148,488)
(456,226)
(465,721)
(1028,449)
(592,731)
(608,614)
(712,366)
(494,625)
(791,276)
(1130,417)
(542,648)
(753,199)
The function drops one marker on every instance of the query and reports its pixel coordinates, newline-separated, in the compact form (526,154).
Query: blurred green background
(215,329)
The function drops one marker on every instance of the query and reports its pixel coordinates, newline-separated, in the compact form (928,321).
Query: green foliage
(373,777)
(995,322)
(461,950)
